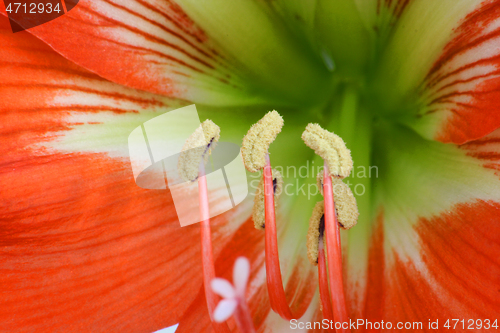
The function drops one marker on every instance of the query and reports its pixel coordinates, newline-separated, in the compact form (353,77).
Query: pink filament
(334,252)
(243,318)
(274,281)
(324,293)
(242,313)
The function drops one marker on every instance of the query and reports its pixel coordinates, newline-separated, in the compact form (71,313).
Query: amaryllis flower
(412,86)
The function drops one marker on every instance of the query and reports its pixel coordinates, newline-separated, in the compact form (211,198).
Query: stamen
(274,280)
(197,148)
(315,232)
(206,251)
(259,137)
(338,164)
(331,148)
(258,212)
(316,255)
(255,156)
(324,293)
(195,159)
(334,253)
(345,202)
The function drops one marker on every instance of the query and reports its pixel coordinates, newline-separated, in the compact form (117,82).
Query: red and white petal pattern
(464,83)
(82,247)
(435,244)
(442,68)
(209,52)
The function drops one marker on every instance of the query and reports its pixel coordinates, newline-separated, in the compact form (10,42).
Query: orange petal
(457,278)
(83,247)
(465,80)
(441,69)
(78,258)
(444,263)
(158,47)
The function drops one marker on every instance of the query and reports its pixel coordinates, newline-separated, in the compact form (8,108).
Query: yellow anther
(315,232)
(319,181)
(258,212)
(331,148)
(197,147)
(259,137)
(345,202)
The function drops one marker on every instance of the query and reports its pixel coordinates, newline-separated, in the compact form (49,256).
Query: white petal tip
(223,288)
(224,310)
(241,274)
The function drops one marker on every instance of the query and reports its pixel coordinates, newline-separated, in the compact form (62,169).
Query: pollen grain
(258,212)
(256,143)
(331,148)
(197,147)
(345,202)
(315,232)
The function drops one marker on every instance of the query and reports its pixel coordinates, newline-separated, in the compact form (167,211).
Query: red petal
(486,150)
(155,46)
(83,247)
(75,258)
(374,299)
(459,251)
(445,262)
(464,83)
(137,57)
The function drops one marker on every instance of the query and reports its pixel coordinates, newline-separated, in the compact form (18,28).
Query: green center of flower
(345,90)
